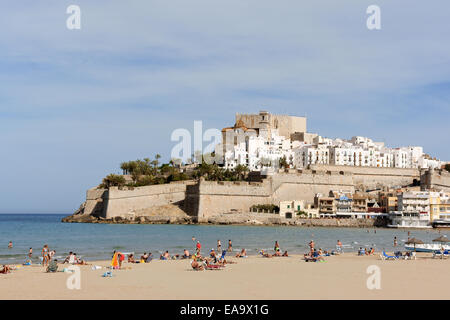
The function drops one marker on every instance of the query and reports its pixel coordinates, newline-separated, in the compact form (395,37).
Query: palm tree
(125,167)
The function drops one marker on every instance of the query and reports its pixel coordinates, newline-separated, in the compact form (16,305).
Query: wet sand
(339,277)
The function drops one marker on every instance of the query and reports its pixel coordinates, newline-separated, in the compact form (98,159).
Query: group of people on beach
(317,255)
(277,252)
(73,259)
(365,251)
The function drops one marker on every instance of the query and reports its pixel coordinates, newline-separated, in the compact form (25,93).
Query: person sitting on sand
(242,254)
(308,257)
(149,258)
(165,256)
(144,257)
(186,254)
(196,266)
(75,259)
(265,255)
(6,269)
(317,255)
(52,266)
(131,258)
(78,260)
(69,258)
(360,251)
(213,255)
(285,254)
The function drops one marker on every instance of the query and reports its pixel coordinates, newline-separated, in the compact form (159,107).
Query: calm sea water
(97,241)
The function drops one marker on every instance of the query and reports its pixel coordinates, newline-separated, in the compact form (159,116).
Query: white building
(262,147)
(311,154)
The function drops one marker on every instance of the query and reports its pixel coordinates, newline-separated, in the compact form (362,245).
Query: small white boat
(426,247)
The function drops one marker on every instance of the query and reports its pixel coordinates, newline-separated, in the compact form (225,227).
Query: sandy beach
(339,277)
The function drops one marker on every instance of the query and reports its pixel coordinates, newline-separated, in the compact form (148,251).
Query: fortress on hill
(313,167)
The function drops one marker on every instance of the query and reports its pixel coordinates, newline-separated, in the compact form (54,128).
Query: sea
(98,241)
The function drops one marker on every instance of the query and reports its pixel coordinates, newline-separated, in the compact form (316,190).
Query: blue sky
(76,103)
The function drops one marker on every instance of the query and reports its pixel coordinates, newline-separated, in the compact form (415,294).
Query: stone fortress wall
(286,125)
(435,180)
(373,178)
(205,199)
(120,202)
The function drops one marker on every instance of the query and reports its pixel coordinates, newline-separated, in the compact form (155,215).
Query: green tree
(284,163)
(113,180)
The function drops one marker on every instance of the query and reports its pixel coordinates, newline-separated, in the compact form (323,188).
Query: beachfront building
(289,209)
(359,203)
(439,206)
(389,200)
(325,204)
(344,204)
(413,210)
(414,202)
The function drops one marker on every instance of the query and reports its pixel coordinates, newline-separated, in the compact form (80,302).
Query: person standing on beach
(10,245)
(198,247)
(45,257)
(230,246)
(277,247)
(339,245)
(311,245)
(395,241)
(219,247)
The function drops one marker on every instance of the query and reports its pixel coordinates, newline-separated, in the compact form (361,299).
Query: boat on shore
(441,224)
(427,247)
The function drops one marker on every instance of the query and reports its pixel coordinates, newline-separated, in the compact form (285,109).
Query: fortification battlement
(233,183)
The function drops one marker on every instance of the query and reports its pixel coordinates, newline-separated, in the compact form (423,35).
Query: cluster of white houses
(259,141)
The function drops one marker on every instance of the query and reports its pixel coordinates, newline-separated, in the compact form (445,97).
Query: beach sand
(339,277)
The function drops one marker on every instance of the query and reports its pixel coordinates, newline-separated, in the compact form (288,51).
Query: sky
(74,104)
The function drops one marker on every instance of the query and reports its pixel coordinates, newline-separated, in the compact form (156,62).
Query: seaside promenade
(338,277)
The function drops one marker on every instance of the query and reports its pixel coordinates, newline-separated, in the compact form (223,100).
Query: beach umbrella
(441,239)
(414,241)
